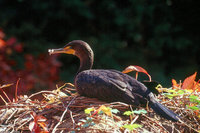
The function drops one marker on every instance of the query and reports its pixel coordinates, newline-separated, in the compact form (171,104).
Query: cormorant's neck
(86,61)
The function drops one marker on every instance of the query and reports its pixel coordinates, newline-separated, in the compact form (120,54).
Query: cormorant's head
(76,47)
(79,48)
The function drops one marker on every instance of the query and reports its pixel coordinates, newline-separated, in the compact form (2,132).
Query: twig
(3,99)
(5,95)
(18,106)
(14,123)
(155,122)
(72,119)
(70,89)
(3,115)
(69,92)
(60,86)
(61,118)
(11,115)
(24,123)
(133,121)
(188,126)
(50,92)
(16,98)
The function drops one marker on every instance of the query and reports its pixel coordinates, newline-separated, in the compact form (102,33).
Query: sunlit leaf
(170,95)
(160,88)
(132,126)
(174,84)
(194,98)
(115,111)
(188,83)
(106,110)
(33,127)
(86,125)
(171,91)
(128,113)
(188,91)
(142,111)
(181,92)
(137,69)
(38,120)
(193,107)
(88,110)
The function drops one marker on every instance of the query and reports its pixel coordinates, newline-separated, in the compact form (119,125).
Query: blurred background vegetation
(161,36)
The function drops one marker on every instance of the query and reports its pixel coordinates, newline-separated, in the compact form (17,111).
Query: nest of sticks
(63,110)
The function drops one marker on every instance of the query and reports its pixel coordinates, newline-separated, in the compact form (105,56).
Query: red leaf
(136,68)
(11,41)
(174,84)
(38,120)
(33,127)
(44,126)
(2,43)
(18,48)
(197,86)
(188,83)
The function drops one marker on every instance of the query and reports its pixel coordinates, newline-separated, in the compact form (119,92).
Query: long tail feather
(164,111)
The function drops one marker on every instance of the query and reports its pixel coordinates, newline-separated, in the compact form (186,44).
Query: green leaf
(128,113)
(171,91)
(193,107)
(132,126)
(86,125)
(92,123)
(100,112)
(89,119)
(170,96)
(193,97)
(181,92)
(115,111)
(140,111)
(88,110)
(106,110)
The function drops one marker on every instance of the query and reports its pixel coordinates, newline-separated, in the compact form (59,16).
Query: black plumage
(110,85)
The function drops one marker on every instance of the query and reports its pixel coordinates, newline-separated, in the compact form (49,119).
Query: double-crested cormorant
(110,85)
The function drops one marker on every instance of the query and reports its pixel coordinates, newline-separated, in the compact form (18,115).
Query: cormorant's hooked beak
(67,50)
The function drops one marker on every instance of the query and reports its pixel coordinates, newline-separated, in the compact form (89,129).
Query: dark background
(161,36)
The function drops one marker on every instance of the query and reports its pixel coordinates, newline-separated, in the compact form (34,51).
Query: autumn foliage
(188,84)
(137,69)
(35,72)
